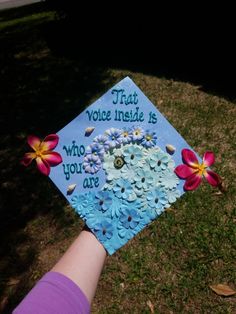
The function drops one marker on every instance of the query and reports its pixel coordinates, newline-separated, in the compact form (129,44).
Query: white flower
(172,195)
(169,179)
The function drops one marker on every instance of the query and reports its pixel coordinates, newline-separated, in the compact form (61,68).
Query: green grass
(26,19)
(173,261)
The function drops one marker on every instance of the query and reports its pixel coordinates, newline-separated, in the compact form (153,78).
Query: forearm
(83,263)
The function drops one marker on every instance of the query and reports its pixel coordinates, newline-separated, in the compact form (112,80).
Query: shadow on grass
(149,40)
(40,93)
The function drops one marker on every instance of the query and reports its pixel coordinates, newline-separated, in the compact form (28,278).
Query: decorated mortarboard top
(120,164)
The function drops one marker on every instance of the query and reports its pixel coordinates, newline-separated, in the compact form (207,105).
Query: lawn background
(169,266)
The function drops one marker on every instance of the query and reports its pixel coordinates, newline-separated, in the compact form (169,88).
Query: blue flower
(143,179)
(138,192)
(169,179)
(122,188)
(149,214)
(115,207)
(135,204)
(157,198)
(129,218)
(130,223)
(157,177)
(114,137)
(92,163)
(102,140)
(125,234)
(137,133)
(103,200)
(133,154)
(172,195)
(128,173)
(83,203)
(95,149)
(103,230)
(149,139)
(159,161)
(126,135)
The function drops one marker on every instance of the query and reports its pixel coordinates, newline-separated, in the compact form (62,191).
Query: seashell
(89,130)
(170,149)
(71,189)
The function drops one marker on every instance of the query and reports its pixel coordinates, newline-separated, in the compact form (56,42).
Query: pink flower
(43,155)
(193,172)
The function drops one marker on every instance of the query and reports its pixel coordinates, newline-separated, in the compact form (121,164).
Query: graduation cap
(120,164)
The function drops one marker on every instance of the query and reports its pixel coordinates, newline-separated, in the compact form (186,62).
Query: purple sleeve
(54,293)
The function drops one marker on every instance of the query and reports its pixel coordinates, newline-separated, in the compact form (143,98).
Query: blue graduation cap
(118,170)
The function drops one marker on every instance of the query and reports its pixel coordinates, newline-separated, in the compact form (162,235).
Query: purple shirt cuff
(54,293)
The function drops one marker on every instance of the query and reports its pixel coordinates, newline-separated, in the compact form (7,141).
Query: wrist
(91,242)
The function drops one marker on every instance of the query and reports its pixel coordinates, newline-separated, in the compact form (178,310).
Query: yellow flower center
(201,169)
(148,137)
(39,153)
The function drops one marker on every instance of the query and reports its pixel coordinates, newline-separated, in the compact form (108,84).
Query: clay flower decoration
(193,172)
(43,154)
